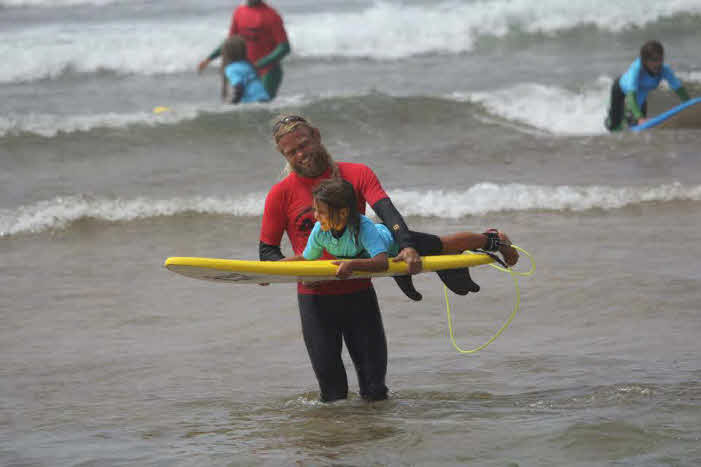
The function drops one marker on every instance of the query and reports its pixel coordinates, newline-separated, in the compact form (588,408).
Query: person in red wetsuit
(266,41)
(335,312)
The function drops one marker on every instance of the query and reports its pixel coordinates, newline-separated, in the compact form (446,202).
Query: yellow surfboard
(254,272)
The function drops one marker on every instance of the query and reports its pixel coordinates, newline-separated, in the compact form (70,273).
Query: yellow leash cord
(514,276)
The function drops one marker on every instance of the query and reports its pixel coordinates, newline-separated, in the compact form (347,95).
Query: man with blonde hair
(347,311)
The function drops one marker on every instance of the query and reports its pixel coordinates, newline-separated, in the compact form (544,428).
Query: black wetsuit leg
(323,337)
(457,280)
(617,105)
(364,335)
(355,318)
(425,244)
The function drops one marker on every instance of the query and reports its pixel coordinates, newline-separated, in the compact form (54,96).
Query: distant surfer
(334,312)
(344,232)
(266,42)
(629,91)
(238,75)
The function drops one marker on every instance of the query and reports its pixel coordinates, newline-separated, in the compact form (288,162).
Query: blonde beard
(287,169)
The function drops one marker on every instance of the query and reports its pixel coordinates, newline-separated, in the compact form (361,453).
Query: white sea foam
(552,109)
(490,197)
(555,109)
(389,30)
(382,30)
(58,3)
(60,212)
(135,46)
(479,199)
(694,76)
(549,108)
(50,125)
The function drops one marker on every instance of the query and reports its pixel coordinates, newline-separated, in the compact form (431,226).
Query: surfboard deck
(685,115)
(254,272)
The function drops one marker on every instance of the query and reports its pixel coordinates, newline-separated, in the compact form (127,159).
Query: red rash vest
(288,208)
(262,29)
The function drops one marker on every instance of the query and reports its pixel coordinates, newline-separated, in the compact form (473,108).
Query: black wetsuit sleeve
(269,252)
(395,222)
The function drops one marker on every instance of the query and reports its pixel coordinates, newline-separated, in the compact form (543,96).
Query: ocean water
(474,114)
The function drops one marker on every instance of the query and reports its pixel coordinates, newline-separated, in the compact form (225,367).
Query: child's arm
(377,263)
(674,83)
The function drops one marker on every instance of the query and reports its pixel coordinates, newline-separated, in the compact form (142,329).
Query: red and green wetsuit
(266,41)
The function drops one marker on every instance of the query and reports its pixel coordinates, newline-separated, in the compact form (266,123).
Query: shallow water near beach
(473,115)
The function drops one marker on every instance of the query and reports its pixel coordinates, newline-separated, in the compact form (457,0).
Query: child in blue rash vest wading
(345,233)
(629,91)
(239,75)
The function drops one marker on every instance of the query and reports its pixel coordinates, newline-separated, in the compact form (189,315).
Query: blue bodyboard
(663,117)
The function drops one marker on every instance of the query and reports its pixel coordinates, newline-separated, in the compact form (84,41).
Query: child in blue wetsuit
(238,74)
(629,91)
(365,246)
